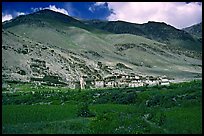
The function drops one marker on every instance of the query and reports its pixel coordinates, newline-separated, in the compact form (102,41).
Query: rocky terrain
(50,46)
(195,30)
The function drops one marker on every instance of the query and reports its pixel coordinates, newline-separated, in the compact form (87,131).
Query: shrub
(83,111)
(105,123)
(127,98)
(162,119)
(159,118)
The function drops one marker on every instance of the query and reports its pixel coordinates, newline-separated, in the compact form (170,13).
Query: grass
(101,108)
(72,126)
(185,120)
(42,119)
(176,109)
(12,114)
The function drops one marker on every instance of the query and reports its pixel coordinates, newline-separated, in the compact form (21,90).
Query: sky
(177,14)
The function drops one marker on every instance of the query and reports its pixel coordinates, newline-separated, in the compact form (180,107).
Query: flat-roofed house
(164,82)
(99,83)
(134,84)
(110,81)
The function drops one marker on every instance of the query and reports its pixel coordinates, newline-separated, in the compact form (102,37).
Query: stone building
(164,82)
(136,83)
(110,81)
(151,82)
(99,84)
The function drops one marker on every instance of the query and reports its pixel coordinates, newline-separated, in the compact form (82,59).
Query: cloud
(20,13)
(6,17)
(61,10)
(53,8)
(177,14)
(97,5)
(15,13)
(36,9)
(91,9)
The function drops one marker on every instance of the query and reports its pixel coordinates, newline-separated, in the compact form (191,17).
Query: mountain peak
(44,15)
(48,11)
(195,30)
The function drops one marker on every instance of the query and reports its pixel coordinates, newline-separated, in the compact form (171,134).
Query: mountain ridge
(195,31)
(158,31)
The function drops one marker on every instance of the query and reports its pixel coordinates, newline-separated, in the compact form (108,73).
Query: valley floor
(174,109)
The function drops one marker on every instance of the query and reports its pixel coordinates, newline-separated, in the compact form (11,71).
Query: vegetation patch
(142,110)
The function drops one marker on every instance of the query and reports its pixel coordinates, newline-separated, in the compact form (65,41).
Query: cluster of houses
(120,81)
(110,81)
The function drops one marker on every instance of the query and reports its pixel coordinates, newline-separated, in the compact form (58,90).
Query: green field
(174,109)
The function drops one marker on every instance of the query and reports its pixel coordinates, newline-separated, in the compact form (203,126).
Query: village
(114,80)
(120,81)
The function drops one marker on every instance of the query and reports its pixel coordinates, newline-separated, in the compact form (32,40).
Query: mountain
(118,27)
(47,18)
(46,45)
(158,31)
(195,30)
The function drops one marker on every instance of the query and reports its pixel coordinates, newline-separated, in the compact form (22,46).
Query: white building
(109,84)
(135,83)
(152,82)
(164,82)
(99,84)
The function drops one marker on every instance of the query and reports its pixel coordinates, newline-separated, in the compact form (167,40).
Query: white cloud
(11,16)
(61,10)
(15,14)
(6,17)
(36,9)
(96,5)
(99,3)
(20,13)
(53,8)
(177,14)
(91,9)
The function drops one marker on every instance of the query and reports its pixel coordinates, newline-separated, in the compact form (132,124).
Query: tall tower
(82,84)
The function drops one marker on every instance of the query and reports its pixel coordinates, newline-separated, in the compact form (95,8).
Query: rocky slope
(195,30)
(47,45)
